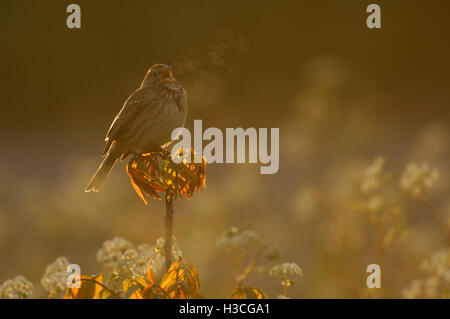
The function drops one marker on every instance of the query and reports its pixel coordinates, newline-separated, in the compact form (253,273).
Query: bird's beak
(168,72)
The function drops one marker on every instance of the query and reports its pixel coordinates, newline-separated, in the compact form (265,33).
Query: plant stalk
(249,269)
(168,222)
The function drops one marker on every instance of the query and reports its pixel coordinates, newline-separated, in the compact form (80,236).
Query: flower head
(285,272)
(54,279)
(417,179)
(438,265)
(236,238)
(436,285)
(123,258)
(112,250)
(17,288)
(371,179)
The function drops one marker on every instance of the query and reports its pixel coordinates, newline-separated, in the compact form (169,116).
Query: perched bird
(145,122)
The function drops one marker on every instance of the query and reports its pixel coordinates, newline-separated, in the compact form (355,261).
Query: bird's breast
(163,115)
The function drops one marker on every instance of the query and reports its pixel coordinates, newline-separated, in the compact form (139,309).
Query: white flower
(414,290)
(374,204)
(371,179)
(112,250)
(286,270)
(438,265)
(236,238)
(177,253)
(17,288)
(130,262)
(54,279)
(417,179)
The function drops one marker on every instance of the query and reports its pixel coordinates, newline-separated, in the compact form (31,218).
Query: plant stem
(168,231)
(249,269)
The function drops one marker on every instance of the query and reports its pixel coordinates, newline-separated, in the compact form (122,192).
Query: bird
(146,121)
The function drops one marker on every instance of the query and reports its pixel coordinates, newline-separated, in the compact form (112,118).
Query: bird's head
(158,74)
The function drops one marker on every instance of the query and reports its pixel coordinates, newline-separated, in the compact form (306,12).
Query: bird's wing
(131,108)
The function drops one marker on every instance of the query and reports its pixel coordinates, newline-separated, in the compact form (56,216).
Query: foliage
(153,174)
(376,203)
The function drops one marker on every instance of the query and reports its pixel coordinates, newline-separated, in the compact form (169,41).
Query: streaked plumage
(146,120)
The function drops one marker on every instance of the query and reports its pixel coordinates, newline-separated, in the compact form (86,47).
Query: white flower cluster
(236,238)
(372,176)
(374,204)
(54,279)
(17,288)
(112,251)
(417,179)
(120,255)
(438,268)
(370,183)
(422,288)
(285,272)
(438,265)
(177,253)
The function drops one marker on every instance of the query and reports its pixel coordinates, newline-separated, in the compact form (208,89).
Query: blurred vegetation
(364,124)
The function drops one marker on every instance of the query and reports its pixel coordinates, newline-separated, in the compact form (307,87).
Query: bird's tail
(102,172)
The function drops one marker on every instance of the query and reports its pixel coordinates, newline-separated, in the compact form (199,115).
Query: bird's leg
(152,149)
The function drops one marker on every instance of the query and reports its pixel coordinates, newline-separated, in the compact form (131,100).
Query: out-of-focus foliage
(130,273)
(180,282)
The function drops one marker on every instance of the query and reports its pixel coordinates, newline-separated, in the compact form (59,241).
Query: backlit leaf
(90,288)
(181,281)
(248,293)
(156,175)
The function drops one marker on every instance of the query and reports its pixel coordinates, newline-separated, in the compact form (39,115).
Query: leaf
(154,173)
(132,288)
(140,288)
(150,277)
(181,281)
(138,190)
(90,288)
(248,293)
(133,292)
(154,292)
